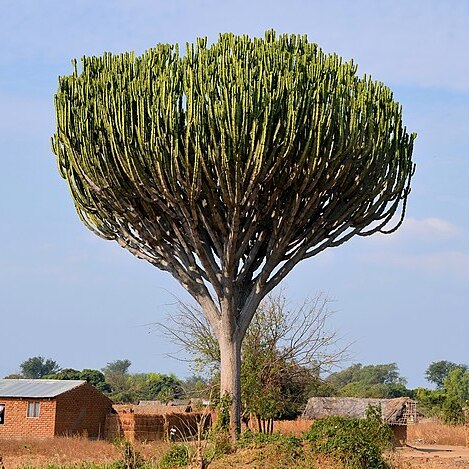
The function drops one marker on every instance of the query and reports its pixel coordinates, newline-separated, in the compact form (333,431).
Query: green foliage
(356,443)
(197,386)
(64,373)
(178,455)
(437,372)
(287,451)
(287,443)
(320,388)
(38,367)
(223,420)
(369,375)
(234,105)
(452,411)
(164,387)
(448,400)
(117,376)
(220,443)
(275,378)
(94,377)
(377,381)
(456,385)
(430,402)
(151,386)
(127,387)
(377,391)
(122,386)
(117,368)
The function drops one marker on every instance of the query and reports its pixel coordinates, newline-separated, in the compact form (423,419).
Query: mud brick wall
(146,427)
(17,424)
(82,410)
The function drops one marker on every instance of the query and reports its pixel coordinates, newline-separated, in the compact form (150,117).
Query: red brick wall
(17,424)
(82,410)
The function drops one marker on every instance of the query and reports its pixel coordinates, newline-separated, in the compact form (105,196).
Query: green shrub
(177,456)
(356,443)
(220,443)
(223,420)
(452,412)
(290,445)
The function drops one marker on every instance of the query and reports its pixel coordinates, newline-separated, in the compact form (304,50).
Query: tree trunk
(230,379)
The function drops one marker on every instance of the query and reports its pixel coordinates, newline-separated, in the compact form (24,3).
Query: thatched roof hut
(398,411)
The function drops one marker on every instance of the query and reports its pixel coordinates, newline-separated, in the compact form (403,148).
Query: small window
(2,414)
(33,409)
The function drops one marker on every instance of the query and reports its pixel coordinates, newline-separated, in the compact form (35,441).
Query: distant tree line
(375,381)
(276,386)
(451,395)
(114,380)
(446,402)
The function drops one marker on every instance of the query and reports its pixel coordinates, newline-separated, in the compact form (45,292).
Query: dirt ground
(432,456)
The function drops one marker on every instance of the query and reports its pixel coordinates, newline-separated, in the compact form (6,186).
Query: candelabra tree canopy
(234,161)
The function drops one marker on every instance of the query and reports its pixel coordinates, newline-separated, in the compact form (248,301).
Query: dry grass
(56,451)
(270,457)
(74,450)
(70,450)
(292,427)
(435,433)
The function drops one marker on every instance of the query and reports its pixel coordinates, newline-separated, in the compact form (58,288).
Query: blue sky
(68,295)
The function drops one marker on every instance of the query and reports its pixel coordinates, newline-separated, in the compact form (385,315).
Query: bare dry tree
(300,335)
(283,347)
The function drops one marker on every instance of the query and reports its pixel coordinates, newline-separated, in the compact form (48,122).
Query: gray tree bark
(230,380)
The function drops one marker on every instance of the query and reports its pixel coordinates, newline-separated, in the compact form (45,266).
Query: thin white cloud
(431,227)
(426,229)
(424,245)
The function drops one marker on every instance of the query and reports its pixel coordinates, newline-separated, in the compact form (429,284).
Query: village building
(42,408)
(398,412)
(177,420)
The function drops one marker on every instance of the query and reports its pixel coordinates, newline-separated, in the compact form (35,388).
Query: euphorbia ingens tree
(230,164)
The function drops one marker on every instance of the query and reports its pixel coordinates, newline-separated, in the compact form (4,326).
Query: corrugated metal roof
(36,387)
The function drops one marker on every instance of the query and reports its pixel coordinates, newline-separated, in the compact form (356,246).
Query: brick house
(46,408)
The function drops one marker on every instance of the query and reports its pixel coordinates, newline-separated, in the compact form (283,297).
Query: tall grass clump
(437,433)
